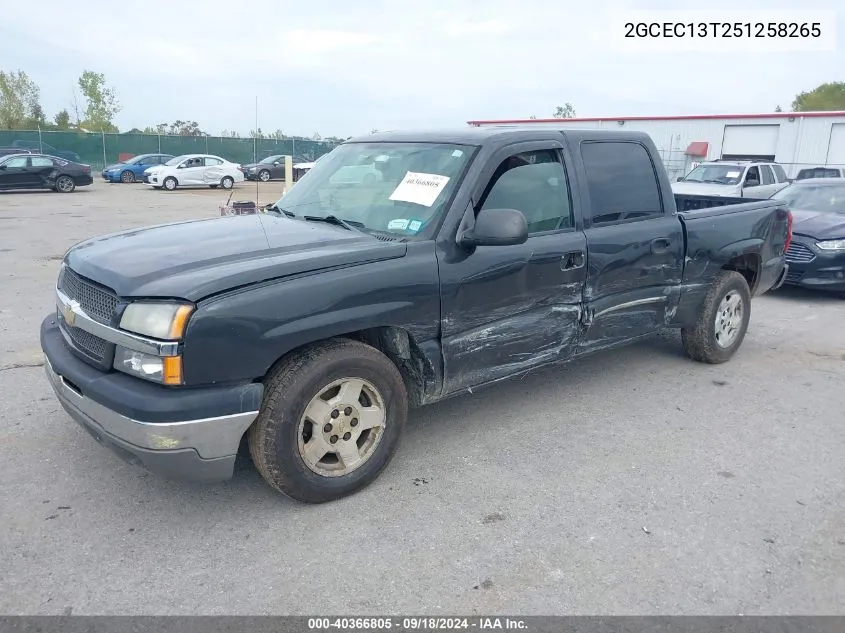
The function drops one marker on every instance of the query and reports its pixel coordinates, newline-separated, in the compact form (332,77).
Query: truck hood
(196,259)
(705,189)
(821,226)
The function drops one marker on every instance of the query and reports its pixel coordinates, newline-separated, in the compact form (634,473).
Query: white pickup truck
(733,179)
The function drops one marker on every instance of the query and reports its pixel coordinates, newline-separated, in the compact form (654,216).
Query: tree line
(93,107)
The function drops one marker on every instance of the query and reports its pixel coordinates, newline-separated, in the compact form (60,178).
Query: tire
(170,183)
(127,176)
(227,182)
(702,342)
(65,184)
(264,175)
(279,436)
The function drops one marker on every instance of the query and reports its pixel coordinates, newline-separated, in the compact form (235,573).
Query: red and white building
(793,139)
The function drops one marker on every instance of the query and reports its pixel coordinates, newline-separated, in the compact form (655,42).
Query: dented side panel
(505,309)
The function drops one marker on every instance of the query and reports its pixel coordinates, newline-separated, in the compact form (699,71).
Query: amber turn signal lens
(172,370)
(180,320)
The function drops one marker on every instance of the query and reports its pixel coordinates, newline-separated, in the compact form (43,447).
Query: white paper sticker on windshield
(457,153)
(419,188)
(732,174)
(397,225)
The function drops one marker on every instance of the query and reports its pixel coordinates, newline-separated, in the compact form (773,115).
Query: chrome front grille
(97,302)
(799,254)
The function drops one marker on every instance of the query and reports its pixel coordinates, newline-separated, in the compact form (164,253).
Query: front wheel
(127,176)
(228,182)
(722,322)
(65,184)
(170,183)
(330,422)
(264,175)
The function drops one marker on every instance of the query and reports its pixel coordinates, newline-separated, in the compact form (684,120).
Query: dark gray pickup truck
(403,269)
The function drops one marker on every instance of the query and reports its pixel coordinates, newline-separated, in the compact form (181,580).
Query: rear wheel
(722,322)
(228,182)
(127,176)
(65,184)
(170,183)
(330,422)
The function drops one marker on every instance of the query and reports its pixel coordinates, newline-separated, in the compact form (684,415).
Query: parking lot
(635,482)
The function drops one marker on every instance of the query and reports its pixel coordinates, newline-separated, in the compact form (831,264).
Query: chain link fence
(99,150)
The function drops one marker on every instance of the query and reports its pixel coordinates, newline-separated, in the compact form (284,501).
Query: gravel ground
(634,482)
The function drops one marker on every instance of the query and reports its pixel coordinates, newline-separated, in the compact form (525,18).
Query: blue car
(133,169)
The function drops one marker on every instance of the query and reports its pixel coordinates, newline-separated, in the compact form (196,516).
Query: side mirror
(3,166)
(275,163)
(680,179)
(496,227)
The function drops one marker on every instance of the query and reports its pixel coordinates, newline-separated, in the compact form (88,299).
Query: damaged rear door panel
(635,244)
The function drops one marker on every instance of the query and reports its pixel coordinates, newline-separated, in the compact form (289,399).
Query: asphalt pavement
(633,482)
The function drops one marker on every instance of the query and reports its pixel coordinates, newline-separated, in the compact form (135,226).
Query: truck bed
(690,202)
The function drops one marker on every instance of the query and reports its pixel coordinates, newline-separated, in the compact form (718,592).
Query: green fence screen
(99,150)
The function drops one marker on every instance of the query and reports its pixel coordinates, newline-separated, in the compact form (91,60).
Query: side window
(780,174)
(212,162)
(752,174)
(17,162)
(768,178)
(41,161)
(535,184)
(622,182)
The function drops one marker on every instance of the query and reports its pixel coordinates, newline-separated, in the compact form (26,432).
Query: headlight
(252,170)
(832,245)
(158,320)
(166,370)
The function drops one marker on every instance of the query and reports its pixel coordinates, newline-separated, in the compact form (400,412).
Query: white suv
(735,178)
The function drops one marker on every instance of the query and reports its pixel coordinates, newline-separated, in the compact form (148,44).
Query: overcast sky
(343,68)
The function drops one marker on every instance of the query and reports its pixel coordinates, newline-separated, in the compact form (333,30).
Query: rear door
(635,246)
(40,168)
(213,172)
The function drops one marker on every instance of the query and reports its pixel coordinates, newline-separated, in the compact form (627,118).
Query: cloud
(341,68)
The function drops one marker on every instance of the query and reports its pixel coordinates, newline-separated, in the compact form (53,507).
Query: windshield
(716,174)
(138,159)
(176,160)
(390,187)
(819,198)
(270,159)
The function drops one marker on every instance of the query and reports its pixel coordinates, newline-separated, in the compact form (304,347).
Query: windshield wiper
(278,209)
(349,225)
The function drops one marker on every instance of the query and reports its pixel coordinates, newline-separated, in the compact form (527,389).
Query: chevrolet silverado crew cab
(312,327)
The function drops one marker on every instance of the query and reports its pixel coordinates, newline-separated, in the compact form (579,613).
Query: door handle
(660,245)
(572,261)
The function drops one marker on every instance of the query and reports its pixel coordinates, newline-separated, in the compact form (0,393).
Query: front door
(15,173)
(506,309)
(192,172)
(635,247)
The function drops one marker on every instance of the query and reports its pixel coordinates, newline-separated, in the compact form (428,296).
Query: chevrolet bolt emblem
(69,312)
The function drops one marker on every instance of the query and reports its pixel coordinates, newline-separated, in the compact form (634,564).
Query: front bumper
(815,269)
(171,432)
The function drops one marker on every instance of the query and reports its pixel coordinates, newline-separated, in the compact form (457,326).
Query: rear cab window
(622,182)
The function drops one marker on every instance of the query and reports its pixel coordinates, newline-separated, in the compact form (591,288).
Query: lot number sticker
(419,188)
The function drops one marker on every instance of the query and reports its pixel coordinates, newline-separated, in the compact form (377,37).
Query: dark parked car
(820,172)
(6,151)
(270,168)
(37,171)
(816,255)
(45,148)
(479,255)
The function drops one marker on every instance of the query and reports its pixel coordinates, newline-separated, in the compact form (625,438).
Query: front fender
(240,335)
